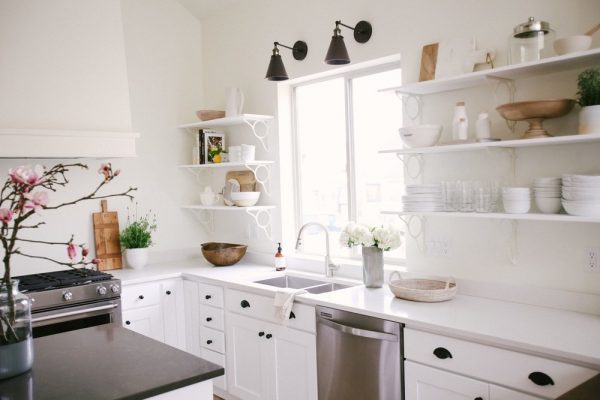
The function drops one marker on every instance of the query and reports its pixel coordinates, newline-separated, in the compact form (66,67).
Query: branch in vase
(70,265)
(94,197)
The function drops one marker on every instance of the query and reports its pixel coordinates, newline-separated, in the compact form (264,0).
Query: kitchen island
(108,363)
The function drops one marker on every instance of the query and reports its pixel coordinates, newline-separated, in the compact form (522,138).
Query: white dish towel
(284,300)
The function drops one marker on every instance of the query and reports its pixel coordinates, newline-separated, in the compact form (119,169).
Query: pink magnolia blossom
(6,215)
(72,251)
(117,172)
(36,200)
(85,251)
(95,261)
(106,170)
(24,175)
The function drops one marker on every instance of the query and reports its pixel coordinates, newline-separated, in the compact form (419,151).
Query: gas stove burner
(60,279)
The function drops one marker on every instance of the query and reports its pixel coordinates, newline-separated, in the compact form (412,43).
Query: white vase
(589,120)
(136,258)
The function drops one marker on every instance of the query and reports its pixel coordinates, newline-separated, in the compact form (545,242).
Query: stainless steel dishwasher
(358,357)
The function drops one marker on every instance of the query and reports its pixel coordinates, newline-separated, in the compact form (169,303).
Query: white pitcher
(235,102)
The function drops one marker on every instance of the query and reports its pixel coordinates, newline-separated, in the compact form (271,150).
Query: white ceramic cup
(248,152)
(235,153)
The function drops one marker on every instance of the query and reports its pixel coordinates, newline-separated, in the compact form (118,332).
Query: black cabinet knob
(442,353)
(127,322)
(168,292)
(245,304)
(208,319)
(141,297)
(540,379)
(261,334)
(209,342)
(208,297)
(269,336)
(292,315)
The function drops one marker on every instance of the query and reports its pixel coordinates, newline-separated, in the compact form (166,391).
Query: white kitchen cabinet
(146,321)
(426,383)
(500,393)
(172,300)
(269,361)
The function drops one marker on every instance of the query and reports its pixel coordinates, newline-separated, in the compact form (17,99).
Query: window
(341,123)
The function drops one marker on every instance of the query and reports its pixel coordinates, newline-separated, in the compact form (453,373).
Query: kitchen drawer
(210,295)
(219,359)
(212,317)
(508,368)
(261,307)
(142,295)
(212,339)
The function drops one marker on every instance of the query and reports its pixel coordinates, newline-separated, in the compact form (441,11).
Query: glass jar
(16,341)
(530,41)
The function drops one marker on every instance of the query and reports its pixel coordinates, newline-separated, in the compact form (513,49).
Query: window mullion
(350,160)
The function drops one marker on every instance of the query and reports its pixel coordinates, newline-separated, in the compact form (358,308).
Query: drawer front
(219,359)
(212,339)
(211,295)
(509,368)
(212,317)
(143,295)
(261,307)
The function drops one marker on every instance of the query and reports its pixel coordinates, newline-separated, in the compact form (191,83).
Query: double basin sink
(310,285)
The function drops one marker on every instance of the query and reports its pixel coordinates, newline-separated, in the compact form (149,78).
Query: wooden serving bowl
(535,112)
(223,254)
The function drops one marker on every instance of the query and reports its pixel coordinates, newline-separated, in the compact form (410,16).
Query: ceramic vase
(136,258)
(16,341)
(372,257)
(589,120)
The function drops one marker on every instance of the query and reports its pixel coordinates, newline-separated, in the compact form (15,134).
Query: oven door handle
(71,313)
(350,330)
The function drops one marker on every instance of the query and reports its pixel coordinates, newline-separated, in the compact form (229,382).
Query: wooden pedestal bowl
(535,112)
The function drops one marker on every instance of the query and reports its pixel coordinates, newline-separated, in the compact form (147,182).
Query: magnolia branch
(93,196)
(70,265)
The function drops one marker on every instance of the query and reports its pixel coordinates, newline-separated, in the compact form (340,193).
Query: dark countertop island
(105,363)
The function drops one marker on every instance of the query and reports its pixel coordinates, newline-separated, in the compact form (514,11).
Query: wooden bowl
(223,254)
(207,115)
(535,112)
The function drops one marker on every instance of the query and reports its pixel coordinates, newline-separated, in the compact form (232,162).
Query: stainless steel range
(73,299)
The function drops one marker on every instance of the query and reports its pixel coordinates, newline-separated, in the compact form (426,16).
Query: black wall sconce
(276,70)
(337,53)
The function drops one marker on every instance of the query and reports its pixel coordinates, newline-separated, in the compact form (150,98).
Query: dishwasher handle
(350,330)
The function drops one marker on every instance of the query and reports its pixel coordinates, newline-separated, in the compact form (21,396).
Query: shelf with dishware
(260,214)
(509,72)
(255,166)
(503,216)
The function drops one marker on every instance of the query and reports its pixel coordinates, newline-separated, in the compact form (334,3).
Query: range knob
(114,288)
(101,290)
(67,296)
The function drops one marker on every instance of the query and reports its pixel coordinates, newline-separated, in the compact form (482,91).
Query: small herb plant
(588,84)
(138,234)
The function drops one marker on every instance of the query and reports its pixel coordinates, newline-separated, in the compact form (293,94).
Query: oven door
(76,317)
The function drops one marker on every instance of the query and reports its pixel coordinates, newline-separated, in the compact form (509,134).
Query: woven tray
(425,290)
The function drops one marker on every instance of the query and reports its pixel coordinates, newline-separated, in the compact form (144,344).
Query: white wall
(237,50)
(102,65)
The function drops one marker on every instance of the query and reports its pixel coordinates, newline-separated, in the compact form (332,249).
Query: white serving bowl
(521,209)
(581,197)
(572,44)
(514,189)
(581,179)
(516,197)
(420,135)
(548,205)
(245,199)
(582,208)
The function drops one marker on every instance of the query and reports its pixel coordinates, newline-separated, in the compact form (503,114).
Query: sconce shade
(337,53)
(276,70)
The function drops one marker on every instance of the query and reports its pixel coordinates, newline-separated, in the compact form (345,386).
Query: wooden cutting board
(106,235)
(428,62)
(245,178)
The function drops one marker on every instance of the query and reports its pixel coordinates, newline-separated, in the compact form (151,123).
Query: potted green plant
(136,238)
(588,97)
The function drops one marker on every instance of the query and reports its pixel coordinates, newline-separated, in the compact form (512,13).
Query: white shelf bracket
(419,235)
(206,219)
(263,134)
(264,180)
(265,224)
(198,173)
(511,89)
(406,160)
(512,242)
(416,117)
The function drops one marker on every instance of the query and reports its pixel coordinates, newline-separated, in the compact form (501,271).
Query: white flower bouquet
(384,237)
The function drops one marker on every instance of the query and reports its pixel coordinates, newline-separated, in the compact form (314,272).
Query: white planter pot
(589,120)
(136,258)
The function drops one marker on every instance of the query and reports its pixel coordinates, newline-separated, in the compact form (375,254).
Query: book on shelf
(201,143)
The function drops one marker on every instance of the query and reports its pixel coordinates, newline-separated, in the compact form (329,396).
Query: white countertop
(563,335)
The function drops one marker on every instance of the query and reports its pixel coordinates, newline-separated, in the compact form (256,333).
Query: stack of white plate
(423,198)
(581,195)
(548,194)
(516,200)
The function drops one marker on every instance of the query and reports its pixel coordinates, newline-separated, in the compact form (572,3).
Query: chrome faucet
(329,265)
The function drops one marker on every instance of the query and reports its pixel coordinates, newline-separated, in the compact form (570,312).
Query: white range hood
(43,143)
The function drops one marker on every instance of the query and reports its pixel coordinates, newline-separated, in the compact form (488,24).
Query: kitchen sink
(310,285)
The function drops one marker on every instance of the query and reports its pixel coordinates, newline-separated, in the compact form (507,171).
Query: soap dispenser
(279,259)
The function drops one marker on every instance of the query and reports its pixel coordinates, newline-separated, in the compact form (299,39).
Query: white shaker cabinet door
(500,393)
(172,299)
(146,321)
(426,383)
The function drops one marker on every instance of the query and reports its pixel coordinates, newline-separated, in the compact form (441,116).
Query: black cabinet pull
(127,322)
(141,297)
(208,297)
(208,319)
(209,342)
(442,353)
(540,378)
(261,334)
(269,336)
(168,292)
(478,398)
(245,304)
(292,315)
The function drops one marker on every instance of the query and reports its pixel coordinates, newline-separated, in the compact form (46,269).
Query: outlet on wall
(592,259)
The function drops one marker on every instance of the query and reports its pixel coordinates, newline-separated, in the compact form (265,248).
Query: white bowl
(517,208)
(245,199)
(581,197)
(548,205)
(572,44)
(582,209)
(420,135)
(581,179)
(517,197)
(550,180)
(514,189)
